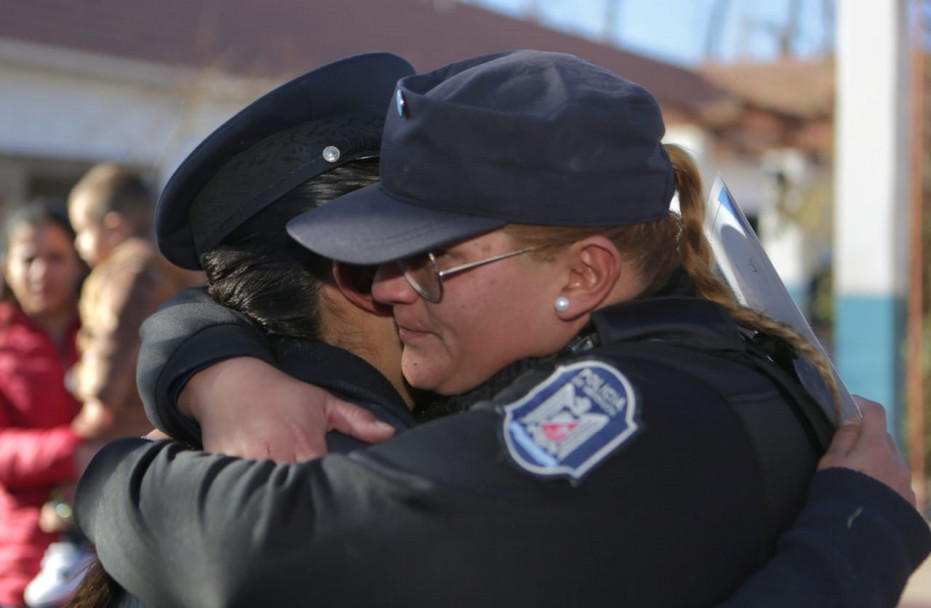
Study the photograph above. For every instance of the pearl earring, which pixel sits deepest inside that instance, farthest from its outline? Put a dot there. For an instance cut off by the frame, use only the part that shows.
(562, 304)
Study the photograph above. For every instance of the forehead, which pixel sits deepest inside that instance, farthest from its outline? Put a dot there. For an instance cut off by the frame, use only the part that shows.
(82, 206)
(481, 242)
(47, 234)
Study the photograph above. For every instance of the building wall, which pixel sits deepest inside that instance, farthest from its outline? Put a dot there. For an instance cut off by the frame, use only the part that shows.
(62, 110)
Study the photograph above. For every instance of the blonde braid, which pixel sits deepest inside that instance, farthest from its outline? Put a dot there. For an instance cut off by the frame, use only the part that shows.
(658, 247)
(698, 261)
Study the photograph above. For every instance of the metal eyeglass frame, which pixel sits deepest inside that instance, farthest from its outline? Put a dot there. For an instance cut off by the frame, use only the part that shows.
(405, 268)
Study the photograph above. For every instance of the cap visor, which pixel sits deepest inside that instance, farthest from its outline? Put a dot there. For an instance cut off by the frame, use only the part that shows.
(368, 226)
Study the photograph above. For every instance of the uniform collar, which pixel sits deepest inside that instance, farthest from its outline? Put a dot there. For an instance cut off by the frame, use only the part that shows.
(670, 318)
(339, 371)
(673, 312)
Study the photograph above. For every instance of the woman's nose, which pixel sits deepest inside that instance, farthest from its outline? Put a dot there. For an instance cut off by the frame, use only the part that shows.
(38, 269)
(390, 286)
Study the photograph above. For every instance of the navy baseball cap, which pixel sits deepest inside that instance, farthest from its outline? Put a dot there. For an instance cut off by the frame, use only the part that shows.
(524, 137)
(310, 125)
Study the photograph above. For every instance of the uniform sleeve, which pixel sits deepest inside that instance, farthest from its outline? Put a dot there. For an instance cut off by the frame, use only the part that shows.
(188, 333)
(854, 544)
(109, 342)
(169, 523)
(185, 528)
(35, 457)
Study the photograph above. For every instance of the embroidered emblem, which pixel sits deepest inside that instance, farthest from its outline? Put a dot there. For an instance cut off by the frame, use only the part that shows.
(572, 421)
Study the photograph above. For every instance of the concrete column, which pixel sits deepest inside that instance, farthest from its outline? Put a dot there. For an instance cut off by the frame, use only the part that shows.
(871, 205)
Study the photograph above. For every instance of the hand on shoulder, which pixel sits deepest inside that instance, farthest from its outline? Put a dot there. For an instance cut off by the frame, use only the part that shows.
(864, 445)
(250, 409)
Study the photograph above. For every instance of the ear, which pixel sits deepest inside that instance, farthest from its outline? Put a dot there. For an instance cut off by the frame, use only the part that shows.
(116, 222)
(355, 283)
(593, 270)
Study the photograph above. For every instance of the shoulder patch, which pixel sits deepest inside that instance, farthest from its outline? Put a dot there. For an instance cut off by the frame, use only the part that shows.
(571, 421)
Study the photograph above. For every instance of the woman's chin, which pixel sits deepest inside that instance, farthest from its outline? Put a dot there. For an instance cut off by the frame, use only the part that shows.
(425, 372)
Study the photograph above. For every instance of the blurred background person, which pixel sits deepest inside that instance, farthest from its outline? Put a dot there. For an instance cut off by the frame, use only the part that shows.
(38, 327)
(112, 211)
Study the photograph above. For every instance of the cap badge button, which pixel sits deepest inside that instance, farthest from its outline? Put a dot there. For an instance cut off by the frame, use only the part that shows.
(399, 98)
(331, 154)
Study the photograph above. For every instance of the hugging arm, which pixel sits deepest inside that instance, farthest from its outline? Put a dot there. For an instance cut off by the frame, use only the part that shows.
(186, 528)
(854, 544)
(188, 333)
(858, 540)
(253, 409)
(178, 527)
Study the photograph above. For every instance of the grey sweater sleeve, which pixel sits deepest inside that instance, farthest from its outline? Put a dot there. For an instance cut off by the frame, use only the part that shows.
(177, 527)
(185, 528)
(188, 333)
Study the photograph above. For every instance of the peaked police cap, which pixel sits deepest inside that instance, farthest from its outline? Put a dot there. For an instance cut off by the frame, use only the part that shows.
(312, 124)
(524, 137)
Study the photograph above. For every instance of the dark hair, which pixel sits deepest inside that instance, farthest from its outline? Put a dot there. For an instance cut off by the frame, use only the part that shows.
(264, 274)
(96, 589)
(35, 214)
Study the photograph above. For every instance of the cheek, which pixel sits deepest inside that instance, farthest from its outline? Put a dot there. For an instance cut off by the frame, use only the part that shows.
(64, 278)
(515, 323)
(16, 280)
(438, 359)
(485, 322)
(86, 244)
(474, 341)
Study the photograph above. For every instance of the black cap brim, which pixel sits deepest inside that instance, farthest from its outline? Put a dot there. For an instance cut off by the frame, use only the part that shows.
(356, 88)
(369, 227)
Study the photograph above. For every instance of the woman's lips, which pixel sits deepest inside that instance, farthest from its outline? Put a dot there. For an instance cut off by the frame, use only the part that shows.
(407, 334)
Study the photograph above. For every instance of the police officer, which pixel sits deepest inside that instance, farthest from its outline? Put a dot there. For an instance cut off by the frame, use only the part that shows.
(631, 455)
(224, 210)
(291, 150)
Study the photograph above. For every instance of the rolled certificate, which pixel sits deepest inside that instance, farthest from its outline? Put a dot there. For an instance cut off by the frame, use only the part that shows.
(750, 274)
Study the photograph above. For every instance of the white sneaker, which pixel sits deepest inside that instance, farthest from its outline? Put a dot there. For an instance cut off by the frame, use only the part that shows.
(63, 567)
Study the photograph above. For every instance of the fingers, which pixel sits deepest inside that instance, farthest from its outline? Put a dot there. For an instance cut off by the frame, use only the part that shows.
(873, 431)
(865, 445)
(844, 441)
(357, 422)
(155, 435)
(857, 431)
(908, 493)
(862, 402)
(306, 443)
(874, 416)
(890, 443)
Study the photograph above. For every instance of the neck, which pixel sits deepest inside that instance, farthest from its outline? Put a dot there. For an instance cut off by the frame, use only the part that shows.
(55, 325)
(344, 325)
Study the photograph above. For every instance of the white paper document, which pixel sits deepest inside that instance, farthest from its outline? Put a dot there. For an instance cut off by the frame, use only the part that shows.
(750, 274)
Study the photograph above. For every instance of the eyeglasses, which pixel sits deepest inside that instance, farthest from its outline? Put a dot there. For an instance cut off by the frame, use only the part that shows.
(423, 274)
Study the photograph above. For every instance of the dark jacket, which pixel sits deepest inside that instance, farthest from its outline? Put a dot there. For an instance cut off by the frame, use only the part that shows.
(191, 331)
(661, 501)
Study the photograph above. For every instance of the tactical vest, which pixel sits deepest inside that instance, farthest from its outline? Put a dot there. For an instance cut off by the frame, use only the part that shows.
(693, 335)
